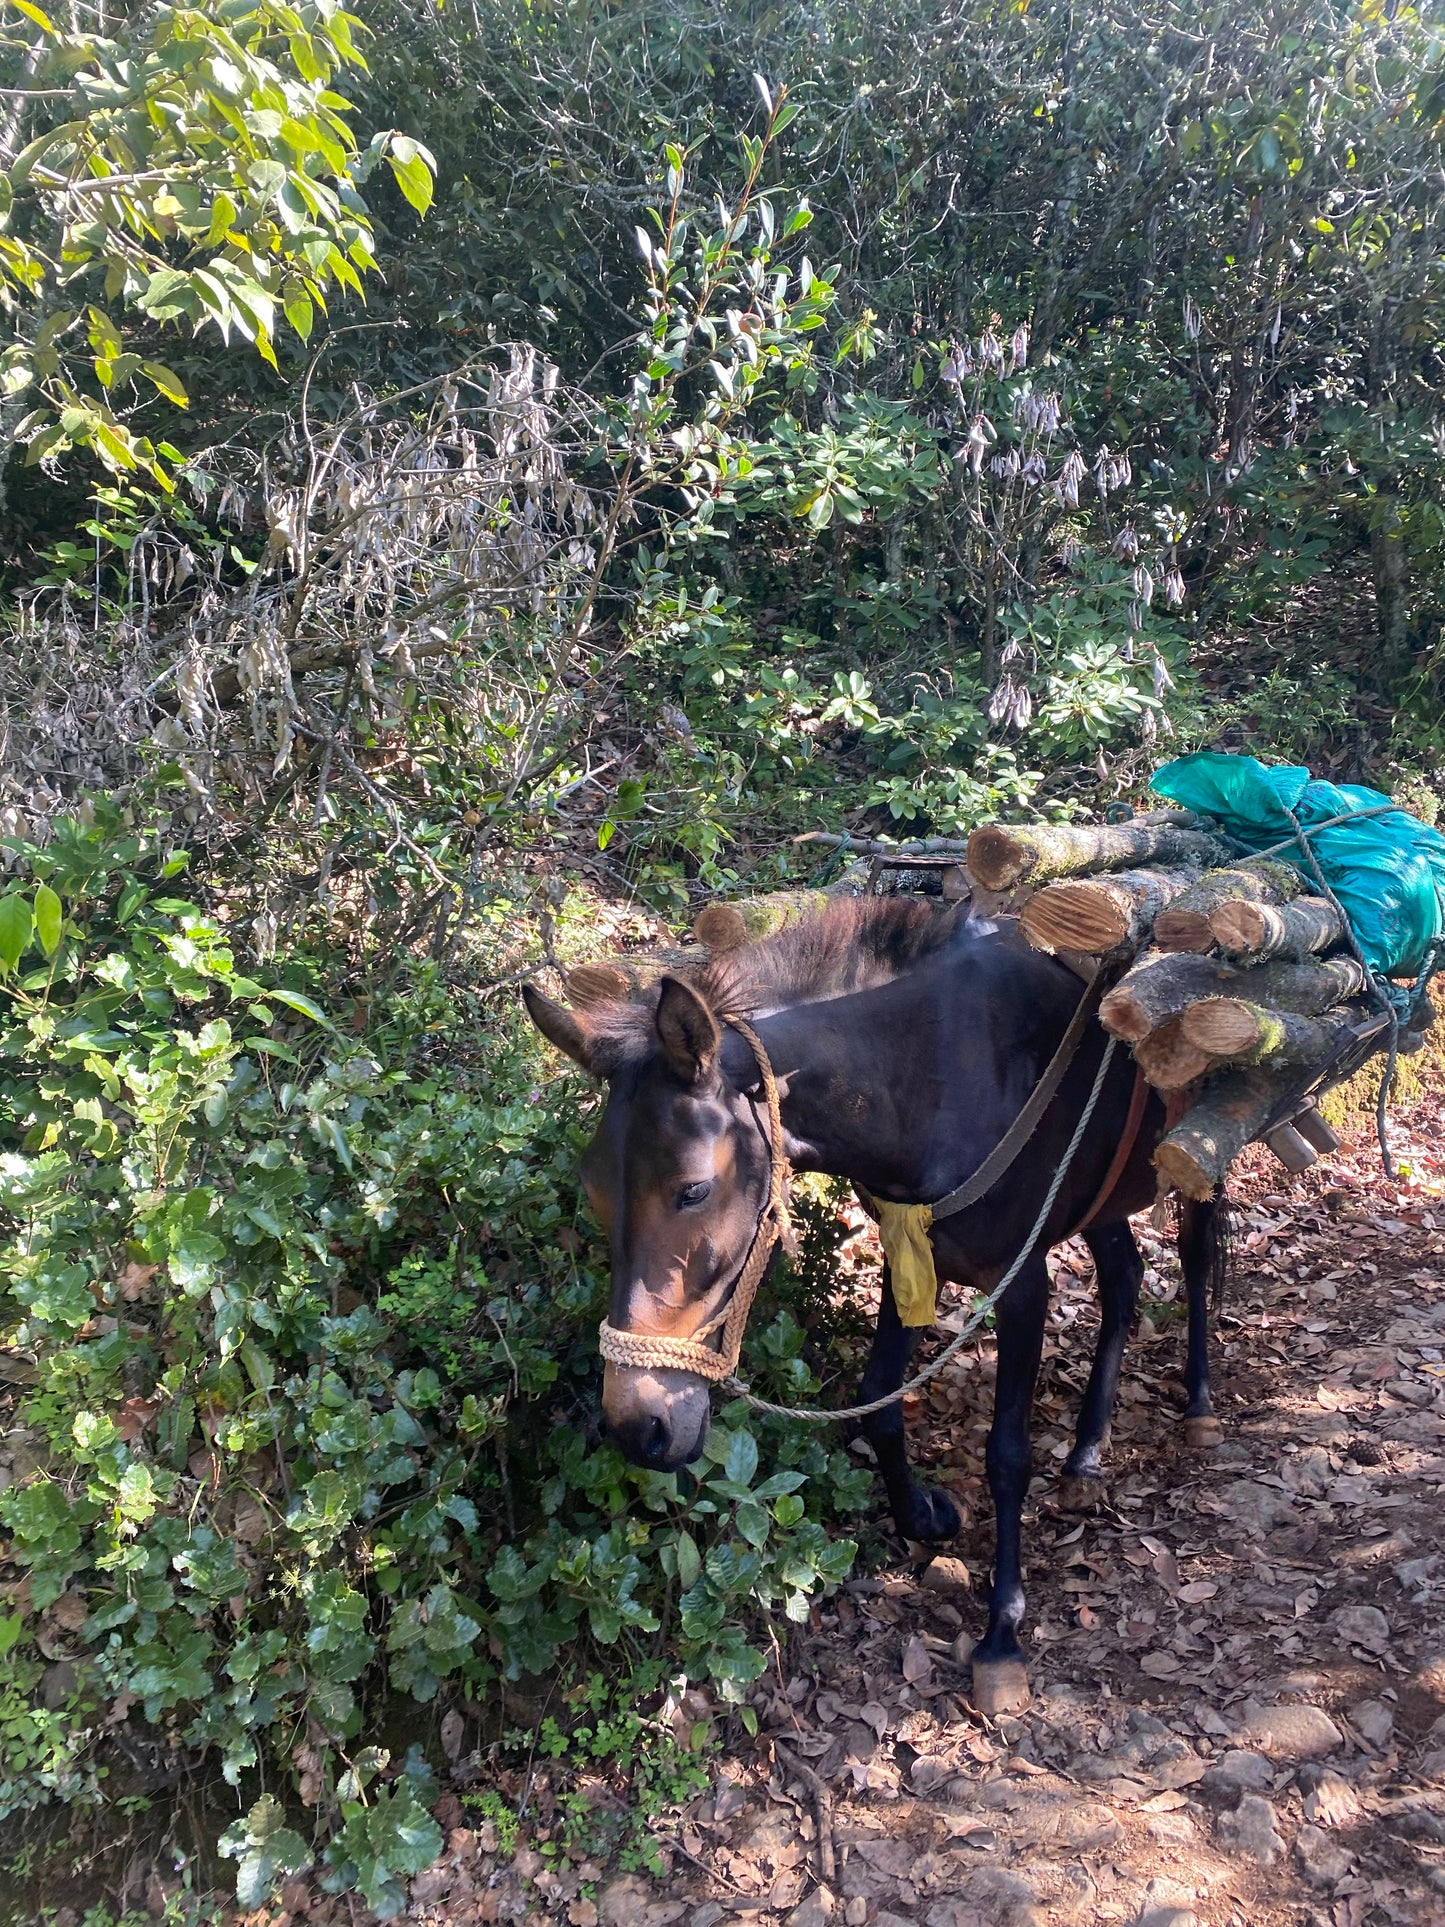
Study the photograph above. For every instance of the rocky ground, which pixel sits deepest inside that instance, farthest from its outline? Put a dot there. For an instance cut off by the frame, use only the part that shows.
(1239, 1664)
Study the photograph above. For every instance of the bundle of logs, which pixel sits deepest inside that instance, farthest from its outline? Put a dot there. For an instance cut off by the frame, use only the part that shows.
(1236, 981)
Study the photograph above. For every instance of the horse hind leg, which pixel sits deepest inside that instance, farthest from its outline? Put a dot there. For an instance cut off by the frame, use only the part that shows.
(919, 1511)
(1119, 1271)
(1204, 1256)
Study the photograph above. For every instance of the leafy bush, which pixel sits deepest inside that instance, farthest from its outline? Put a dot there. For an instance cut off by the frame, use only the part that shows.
(302, 1342)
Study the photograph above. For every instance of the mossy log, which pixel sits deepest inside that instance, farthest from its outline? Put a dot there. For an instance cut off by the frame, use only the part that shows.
(1233, 1028)
(1169, 1061)
(1157, 990)
(1185, 925)
(1261, 930)
(1232, 1111)
(728, 926)
(1100, 914)
(1161, 988)
(1001, 855)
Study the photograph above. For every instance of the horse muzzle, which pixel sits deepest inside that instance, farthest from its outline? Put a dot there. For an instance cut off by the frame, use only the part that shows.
(659, 1418)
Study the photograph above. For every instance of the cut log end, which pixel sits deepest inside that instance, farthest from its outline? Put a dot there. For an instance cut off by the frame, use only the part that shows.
(1169, 1061)
(997, 857)
(598, 983)
(1183, 930)
(1224, 1026)
(721, 926)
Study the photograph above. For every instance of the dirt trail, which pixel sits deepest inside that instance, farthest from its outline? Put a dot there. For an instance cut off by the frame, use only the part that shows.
(1239, 1663)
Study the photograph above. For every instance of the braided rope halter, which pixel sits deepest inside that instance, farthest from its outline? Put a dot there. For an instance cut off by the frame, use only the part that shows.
(651, 1351)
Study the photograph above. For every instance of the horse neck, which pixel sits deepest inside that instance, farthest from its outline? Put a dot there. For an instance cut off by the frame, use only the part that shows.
(853, 1104)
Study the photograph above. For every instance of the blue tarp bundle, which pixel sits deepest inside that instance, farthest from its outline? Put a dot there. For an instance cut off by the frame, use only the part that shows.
(1387, 871)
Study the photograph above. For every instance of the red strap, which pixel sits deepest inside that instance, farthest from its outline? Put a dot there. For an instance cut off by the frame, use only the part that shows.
(1121, 1157)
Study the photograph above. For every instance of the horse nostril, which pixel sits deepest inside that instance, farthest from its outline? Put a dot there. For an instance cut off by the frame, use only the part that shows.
(655, 1442)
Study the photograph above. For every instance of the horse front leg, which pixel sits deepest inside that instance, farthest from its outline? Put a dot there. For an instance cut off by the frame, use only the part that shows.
(1118, 1273)
(1000, 1677)
(1202, 1253)
(919, 1511)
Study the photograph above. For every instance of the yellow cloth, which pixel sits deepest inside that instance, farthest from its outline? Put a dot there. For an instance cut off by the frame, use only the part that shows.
(903, 1231)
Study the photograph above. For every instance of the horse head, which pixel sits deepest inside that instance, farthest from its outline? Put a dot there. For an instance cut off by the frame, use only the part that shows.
(679, 1174)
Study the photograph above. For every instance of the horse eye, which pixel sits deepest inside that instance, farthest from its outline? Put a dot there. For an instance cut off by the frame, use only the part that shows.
(692, 1194)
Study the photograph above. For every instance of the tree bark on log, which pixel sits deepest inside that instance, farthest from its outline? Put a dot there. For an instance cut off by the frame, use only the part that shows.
(1002, 855)
(728, 926)
(1261, 930)
(1231, 1027)
(1197, 1153)
(1169, 1061)
(1185, 924)
(1101, 914)
(1160, 988)
(1157, 990)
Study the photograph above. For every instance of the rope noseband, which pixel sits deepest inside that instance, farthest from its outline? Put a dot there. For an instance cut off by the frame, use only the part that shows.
(656, 1350)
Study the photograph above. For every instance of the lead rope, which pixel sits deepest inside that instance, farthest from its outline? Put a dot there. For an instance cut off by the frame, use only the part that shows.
(818, 1415)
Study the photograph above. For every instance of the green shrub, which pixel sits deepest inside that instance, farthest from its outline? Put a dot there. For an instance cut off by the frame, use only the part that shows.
(305, 1332)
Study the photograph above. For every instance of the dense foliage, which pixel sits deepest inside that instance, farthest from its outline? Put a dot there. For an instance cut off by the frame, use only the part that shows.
(690, 426)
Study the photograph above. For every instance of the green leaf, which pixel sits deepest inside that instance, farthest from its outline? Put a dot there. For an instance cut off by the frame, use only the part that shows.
(170, 385)
(15, 927)
(294, 1000)
(49, 919)
(742, 1458)
(414, 167)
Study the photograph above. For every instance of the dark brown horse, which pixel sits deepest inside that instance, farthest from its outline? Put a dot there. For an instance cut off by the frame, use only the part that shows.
(904, 1043)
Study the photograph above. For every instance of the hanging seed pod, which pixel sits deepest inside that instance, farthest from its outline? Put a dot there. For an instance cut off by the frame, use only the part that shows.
(1173, 587)
(1126, 543)
(1144, 584)
(1019, 346)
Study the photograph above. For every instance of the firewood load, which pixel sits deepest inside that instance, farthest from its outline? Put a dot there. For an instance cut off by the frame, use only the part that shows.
(1237, 984)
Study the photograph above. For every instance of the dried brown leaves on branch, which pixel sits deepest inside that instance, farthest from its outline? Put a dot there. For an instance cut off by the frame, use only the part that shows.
(441, 541)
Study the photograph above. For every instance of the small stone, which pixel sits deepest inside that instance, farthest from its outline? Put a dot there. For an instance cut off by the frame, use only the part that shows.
(1322, 1861)
(1330, 1801)
(947, 1575)
(855, 1914)
(1239, 1771)
(1260, 1507)
(1292, 1732)
(987, 1897)
(1415, 1574)
(1374, 1720)
(816, 1911)
(624, 1901)
(707, 1915)
(1251, 1830)
(1169, 1917)
(1363, 1626)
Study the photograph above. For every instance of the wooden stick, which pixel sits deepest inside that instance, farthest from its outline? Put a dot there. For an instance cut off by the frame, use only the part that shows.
(1001, 855)
(1197, 1153)
(1185, 924)
(1231, 1027)
(1160, 988)
(1102, 914)
(1169, 1060)
(1260, 930)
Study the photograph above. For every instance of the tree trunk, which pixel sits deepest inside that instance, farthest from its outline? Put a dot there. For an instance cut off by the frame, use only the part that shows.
(1161, 988)
(1197, 1153)
(1229, 1027)
(1185, 924)
(1001, 855)
(1262, 930)
(1102, 915)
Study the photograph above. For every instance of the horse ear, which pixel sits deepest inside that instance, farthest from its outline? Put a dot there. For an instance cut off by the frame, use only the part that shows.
(688, 1030)
(559, 1026)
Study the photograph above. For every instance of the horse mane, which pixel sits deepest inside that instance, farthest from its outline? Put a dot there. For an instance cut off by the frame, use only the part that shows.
(856, 943)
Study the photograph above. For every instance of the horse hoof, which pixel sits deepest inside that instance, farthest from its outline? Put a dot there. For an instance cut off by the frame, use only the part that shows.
(1203, 1434)
(1000, 1686)
(1080, 1492)
(936, 1516)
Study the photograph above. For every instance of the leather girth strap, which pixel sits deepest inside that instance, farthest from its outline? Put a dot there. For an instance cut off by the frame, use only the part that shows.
(1128, 1139)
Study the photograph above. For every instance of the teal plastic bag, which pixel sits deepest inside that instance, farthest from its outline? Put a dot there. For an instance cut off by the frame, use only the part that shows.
(1387, 871)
